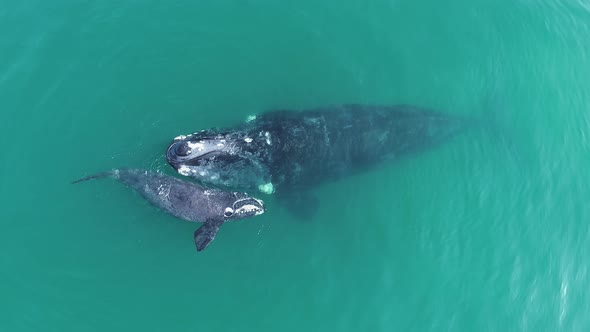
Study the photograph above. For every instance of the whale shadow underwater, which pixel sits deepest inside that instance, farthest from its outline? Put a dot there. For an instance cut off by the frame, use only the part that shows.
(288, 152)
(187, 200)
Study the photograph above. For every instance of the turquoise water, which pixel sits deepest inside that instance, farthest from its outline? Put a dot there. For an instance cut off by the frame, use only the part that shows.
(478, 235)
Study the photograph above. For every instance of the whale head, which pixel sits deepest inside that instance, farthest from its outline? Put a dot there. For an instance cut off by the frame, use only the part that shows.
(243, 206)
(220, 159)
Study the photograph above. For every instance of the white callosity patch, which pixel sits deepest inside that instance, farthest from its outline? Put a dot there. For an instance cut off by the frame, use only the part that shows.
(187, 170)
(198, 145)
(250, 208)
(267, 188)
(184, 170)
(251, 118)
(248, 140)
(179, 138)
(267, 135)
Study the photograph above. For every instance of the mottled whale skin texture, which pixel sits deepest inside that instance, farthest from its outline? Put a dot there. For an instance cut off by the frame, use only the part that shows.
(188, 201)
(288, 151)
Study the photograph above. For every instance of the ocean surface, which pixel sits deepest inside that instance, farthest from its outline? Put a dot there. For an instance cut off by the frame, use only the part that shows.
(489, 232)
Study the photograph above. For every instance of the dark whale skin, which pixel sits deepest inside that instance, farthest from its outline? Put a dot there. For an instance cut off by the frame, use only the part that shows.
(295, 150)
(187, 200)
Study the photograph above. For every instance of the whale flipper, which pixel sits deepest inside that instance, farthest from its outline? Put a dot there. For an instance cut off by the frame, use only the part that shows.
(206, 233)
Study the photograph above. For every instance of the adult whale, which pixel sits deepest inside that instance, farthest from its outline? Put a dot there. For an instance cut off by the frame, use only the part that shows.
(290, 151)
(188, 201)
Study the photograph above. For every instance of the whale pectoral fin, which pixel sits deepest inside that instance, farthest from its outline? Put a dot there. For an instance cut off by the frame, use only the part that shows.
(302, 206)
(206, 233)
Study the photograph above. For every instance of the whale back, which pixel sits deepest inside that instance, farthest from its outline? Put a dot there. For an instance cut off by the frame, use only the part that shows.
(288, 150)
(318, 145)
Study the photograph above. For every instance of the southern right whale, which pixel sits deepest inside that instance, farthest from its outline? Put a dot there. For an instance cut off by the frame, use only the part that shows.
(188, 201)
(290, 151)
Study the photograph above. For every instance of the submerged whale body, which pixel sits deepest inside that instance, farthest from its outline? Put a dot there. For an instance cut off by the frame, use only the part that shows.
(287, 151)
(188, 201)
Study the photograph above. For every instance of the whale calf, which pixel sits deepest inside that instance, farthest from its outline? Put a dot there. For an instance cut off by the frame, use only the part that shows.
(188, 201)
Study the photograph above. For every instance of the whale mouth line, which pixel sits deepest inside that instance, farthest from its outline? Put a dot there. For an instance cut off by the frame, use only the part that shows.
(190, 153)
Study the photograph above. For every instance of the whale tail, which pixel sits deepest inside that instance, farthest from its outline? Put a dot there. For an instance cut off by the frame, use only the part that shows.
(95, 176)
